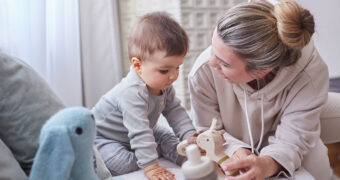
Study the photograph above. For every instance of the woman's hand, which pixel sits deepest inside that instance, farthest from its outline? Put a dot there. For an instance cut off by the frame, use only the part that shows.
(258, 167)
(241, 153)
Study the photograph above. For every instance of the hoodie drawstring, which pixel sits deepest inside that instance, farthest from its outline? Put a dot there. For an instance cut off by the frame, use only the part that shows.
(248, 123)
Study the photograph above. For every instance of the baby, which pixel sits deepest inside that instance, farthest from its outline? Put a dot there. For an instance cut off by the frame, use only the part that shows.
(128, 136)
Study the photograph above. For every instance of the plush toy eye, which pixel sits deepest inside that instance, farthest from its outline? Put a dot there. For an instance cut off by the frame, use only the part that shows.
(79, 130)
(207, 139)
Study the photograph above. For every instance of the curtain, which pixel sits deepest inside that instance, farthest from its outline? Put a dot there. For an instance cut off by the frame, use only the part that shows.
(101, 51)
(45, 34)
(68, 50)
(22, 25)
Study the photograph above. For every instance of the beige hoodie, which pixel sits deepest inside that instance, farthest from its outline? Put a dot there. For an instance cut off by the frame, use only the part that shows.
(291, 107)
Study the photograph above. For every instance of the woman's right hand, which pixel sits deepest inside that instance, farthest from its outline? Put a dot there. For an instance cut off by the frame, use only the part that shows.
(241, 153)
(258, 167)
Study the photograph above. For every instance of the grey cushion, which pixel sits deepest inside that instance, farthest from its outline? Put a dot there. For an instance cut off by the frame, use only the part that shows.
(26, 102)
(9, 167)
(330, 119)
(334, 85)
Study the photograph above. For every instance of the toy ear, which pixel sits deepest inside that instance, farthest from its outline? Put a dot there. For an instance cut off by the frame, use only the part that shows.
(55, 156)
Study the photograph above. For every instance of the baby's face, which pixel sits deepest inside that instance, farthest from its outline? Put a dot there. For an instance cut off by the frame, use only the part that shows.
(159, 72)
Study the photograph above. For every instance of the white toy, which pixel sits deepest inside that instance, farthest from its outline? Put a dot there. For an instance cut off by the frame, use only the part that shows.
(212, 142)
(197, 167)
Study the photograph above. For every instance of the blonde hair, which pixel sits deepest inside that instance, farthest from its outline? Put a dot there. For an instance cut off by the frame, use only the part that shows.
(157, 31)
(295, 24)
(267, 36)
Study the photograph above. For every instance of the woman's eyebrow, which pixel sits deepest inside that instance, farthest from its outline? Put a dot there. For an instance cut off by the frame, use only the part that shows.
(222, 61)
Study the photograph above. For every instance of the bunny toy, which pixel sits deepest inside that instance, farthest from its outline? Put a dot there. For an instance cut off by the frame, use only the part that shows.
(65, 150)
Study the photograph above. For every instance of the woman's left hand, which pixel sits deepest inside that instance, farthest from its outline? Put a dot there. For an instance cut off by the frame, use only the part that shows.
(258, 167)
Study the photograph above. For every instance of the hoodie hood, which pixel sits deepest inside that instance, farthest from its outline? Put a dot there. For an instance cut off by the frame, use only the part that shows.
(282, 79)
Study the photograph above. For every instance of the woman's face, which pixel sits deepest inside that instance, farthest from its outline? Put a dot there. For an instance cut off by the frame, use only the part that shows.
(227, 63)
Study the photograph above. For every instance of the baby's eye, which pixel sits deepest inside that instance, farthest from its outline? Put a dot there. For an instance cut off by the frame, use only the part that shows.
(163, 71)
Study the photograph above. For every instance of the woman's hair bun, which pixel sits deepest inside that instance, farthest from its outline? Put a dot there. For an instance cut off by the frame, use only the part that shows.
(295, 24)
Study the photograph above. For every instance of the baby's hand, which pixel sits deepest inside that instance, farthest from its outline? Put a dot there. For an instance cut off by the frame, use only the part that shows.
(157, 172)
(192, 140)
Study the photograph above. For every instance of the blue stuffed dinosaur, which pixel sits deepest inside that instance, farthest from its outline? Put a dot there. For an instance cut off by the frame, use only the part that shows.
(65, 151)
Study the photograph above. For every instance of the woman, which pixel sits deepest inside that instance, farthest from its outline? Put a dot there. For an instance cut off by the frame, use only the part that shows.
(265, 82)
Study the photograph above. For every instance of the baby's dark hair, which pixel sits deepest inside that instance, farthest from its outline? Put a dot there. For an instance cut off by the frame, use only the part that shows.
(157, 31)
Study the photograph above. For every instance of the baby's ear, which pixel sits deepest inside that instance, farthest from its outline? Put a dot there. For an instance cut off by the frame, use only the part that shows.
(136, 65)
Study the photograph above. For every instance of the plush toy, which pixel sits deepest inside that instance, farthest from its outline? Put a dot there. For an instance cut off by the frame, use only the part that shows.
(65, 150)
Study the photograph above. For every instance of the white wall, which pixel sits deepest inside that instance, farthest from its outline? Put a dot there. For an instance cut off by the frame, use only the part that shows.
(327, 35)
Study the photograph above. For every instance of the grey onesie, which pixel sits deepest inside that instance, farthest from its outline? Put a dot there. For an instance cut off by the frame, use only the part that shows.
(127, 130)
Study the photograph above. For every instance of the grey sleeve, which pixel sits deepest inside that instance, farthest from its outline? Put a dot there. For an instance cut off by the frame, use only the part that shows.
(134, 110)
(177, 116)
